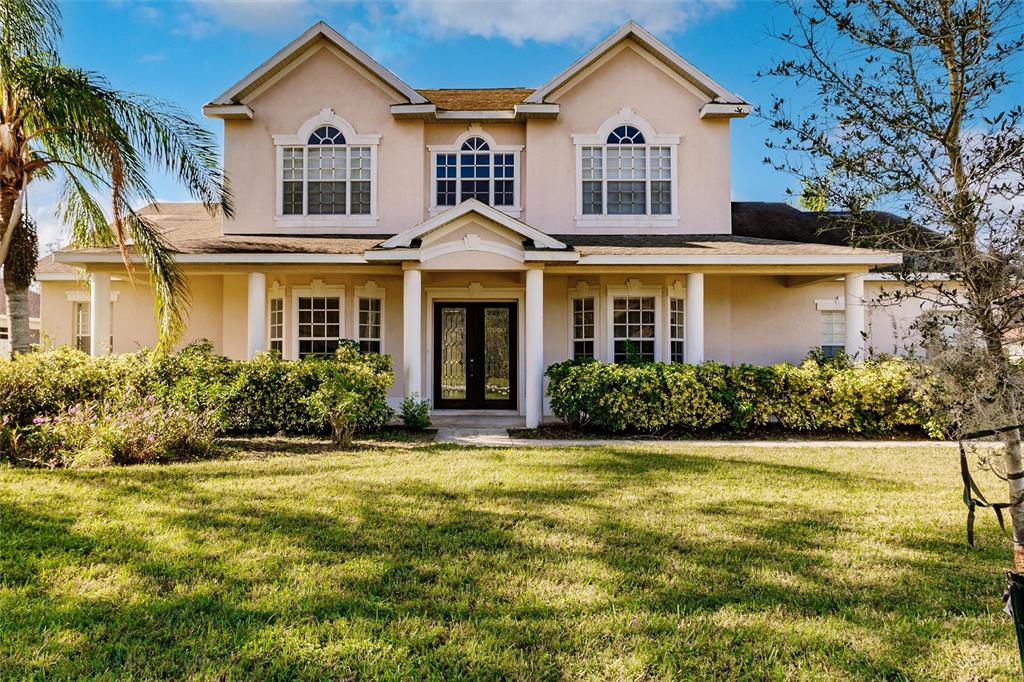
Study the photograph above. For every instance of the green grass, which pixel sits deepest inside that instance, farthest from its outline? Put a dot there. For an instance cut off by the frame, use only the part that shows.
(429, 562)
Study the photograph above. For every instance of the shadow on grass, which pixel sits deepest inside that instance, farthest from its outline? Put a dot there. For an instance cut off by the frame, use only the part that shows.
(590, 562)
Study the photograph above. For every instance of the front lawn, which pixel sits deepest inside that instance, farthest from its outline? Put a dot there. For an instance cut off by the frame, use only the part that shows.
(430, 562)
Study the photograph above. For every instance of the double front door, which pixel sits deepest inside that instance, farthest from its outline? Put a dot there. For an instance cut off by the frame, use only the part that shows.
(475, 355)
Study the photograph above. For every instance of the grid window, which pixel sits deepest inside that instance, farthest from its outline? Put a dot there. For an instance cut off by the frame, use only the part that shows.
(4, 334)
(370, 321)
(319, 325)
(677, 329)
(833, 332)
(626, 176)
(277, 325)
(633, 328)
(582, 328)
(83, 327)
(327, 176)
(475, 172)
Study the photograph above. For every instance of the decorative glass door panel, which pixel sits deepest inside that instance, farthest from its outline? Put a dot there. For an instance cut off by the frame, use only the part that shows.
(475, 355)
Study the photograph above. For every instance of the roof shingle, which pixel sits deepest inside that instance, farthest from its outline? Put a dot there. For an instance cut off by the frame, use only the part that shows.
(476, 99)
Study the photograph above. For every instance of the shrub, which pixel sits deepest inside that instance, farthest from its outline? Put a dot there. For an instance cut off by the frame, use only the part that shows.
(95, 434)
(415, 413)
(873, 398)
(344, 399)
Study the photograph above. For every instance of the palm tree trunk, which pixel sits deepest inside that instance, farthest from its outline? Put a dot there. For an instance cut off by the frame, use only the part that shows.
(17, 315)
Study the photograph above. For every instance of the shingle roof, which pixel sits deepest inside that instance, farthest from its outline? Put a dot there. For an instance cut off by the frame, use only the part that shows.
(476, 99)
(48, 265)
(33, 302)
(703, 244)
(758, 229)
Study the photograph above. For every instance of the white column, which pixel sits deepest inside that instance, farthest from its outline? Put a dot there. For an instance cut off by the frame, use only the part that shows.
(256, 335)
(534, 347)
(853, 291)
(412, 331)
(99, 314)
(694, 318)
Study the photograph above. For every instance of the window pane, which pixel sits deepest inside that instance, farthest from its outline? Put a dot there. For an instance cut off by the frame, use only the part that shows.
(359, 163)
(627, 163)
(292, 199)
(445, 193)
(592, 197)
(319, 325)
(633, 331)
(627, 198)
(661, 163)
(661, 197)
(476, 189)
(592, 163)
(504, 193)
(326, 163)
(291, 164)
(327, 198)
(583, 327)
(360, 198)
(677, 329)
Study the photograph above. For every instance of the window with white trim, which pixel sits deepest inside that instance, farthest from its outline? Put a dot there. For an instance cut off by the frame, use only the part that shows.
(677, 329)
(319, 325)
(633, 328)
(833, 332)
(326, 176)
(370, 324)
(277, 325)
(83, 326)
(626, 175)
(583, 325)
(476, 169)
(4, 335)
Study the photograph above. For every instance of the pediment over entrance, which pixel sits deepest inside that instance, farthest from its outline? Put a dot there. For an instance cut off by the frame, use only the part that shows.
(472, 236)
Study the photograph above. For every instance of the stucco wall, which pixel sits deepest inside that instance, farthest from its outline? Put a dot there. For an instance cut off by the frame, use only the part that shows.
(547, 172)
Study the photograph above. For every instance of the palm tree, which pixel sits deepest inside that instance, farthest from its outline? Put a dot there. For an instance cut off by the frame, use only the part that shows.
(71, 127)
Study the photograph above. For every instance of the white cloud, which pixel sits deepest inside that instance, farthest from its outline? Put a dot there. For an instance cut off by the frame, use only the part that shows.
(153, 58)
(552, 22)
(518, 21)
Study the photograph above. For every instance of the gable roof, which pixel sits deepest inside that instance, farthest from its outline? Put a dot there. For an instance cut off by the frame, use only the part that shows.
(716, 94)
(540, 239)
(232, 98)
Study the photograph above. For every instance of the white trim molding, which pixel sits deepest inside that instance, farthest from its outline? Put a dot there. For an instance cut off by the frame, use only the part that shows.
(353, 138)
(599, 139)
(474, 130)
(405, 239)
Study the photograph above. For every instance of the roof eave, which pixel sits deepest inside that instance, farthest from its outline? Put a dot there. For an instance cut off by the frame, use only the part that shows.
(519, 112)
(228, 111)
(725, 110)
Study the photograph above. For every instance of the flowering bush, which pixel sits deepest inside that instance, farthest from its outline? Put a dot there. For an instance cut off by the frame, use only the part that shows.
(100, 433)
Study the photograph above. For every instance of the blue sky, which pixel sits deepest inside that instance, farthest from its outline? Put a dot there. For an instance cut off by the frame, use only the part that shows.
(189, 51)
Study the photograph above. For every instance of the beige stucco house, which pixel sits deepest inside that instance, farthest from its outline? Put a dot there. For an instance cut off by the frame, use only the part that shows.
(478, 236)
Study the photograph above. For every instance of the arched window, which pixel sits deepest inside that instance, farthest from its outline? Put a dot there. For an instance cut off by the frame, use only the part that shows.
(326, 176)
(326, 135)
(474, 170)
(625, 135)
(625, 175)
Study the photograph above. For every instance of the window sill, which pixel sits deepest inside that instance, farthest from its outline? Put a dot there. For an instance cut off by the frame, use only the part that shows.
(627, 221)
(326, 221)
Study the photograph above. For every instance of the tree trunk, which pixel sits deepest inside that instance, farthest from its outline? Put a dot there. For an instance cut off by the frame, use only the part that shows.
(17, 315)
(1012, 460)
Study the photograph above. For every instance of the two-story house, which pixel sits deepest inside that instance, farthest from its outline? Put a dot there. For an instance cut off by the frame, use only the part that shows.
(478, 236)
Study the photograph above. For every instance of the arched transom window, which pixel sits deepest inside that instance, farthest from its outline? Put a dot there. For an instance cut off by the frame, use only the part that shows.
(475, 169)
(626, 175)
(326, 176)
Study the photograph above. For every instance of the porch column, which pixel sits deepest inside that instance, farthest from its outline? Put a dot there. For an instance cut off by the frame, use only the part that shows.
(99, 313)
(534, 347)
(257, 326)
(412, 331)
(693, 321)
(853, 290)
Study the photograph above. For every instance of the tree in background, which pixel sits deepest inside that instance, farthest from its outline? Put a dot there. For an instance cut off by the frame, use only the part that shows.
(71, 127)
(915, 112)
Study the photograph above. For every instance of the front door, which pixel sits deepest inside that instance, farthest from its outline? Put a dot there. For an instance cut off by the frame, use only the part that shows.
(475, 355)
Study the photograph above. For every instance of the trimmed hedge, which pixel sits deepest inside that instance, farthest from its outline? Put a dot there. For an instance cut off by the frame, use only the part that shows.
(874, 398)
(261, 396)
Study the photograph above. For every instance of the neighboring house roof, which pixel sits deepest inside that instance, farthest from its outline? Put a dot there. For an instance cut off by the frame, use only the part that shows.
(232, 102)
(33, 302)
(776, 220)
(731, 103)
(476, 99)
